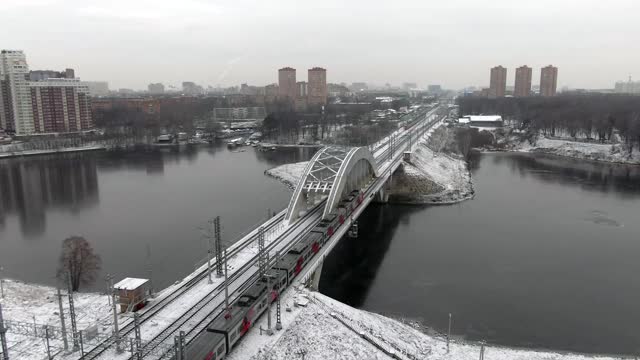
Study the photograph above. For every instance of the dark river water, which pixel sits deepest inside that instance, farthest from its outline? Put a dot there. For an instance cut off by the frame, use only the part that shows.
(133, 204)
(546, 255)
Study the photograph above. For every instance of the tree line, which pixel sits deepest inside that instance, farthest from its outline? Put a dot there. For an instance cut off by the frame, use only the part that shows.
(591, 117)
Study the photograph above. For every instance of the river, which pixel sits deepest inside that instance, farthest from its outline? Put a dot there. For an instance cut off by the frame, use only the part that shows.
(546, 255)
(135, 208)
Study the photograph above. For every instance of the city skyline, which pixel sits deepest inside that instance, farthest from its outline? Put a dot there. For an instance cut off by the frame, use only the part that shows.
(177, 46)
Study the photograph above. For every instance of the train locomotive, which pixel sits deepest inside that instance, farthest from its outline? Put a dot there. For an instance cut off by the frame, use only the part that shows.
(233, 323)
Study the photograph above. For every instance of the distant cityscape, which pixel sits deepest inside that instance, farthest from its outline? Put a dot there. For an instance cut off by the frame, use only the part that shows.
(40, 102)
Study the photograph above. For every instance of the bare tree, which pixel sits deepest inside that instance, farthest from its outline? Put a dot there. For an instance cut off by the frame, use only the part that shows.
(78, 260)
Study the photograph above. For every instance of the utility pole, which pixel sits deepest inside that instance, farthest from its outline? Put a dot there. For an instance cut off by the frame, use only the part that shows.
(278, 315)
(218, 236)
(62, 324)
(46, 335)
(261, 264)
(208, 237)
(482, 350)
(136, 322)
(116, 331)
(269, 291)
(449, 332)
(107, 279)
(150, 269)
(72, 314)
(3, 337)
(226, 284)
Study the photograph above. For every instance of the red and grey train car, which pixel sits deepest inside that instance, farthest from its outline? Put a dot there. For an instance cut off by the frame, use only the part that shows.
(230, 326)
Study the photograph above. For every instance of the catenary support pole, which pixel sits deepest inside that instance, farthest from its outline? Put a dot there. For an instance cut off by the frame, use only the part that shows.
(63, 326)
(3, 337)
(72, 315)
(218, 235)
(116, 330)
(226, 283)
(46, 335)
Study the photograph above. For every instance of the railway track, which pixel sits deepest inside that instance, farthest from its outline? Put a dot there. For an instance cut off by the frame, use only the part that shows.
(156, 307)
(209, 306)
(204, 306)
(202, 324)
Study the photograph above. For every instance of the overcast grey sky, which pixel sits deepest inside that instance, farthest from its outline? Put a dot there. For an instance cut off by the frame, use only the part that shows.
(131, 43)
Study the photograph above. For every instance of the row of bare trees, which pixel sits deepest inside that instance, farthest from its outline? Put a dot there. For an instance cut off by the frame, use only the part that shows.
(590, 117)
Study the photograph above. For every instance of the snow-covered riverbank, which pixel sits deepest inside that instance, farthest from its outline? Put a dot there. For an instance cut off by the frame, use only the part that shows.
(324, 328)
(613, 153)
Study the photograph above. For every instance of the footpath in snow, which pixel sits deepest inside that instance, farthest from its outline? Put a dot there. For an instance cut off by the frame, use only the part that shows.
(323, 328)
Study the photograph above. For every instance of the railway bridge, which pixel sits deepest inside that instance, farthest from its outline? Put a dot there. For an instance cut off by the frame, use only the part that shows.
(333, 173)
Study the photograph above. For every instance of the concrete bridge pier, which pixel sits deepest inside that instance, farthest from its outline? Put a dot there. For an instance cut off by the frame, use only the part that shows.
(314, 280)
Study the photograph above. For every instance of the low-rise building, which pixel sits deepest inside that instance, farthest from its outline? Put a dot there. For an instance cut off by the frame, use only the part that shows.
(482, 121)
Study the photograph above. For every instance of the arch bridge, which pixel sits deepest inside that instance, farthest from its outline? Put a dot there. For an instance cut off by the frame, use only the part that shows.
(332, 173)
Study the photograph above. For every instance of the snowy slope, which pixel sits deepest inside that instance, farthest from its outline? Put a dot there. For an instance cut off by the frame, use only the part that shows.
(328, 329)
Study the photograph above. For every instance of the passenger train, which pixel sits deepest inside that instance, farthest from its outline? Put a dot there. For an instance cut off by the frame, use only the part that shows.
(233, 323)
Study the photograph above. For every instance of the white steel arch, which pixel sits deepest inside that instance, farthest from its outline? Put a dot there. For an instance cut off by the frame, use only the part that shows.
(328, 173)
(357, 170)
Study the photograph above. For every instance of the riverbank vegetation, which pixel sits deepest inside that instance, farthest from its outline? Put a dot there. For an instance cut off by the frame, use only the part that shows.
(593, 117)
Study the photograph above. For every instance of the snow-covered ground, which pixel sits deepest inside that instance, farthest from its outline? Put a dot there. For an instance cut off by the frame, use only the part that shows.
(289, 174)
(328, 329)
(29, 304)
(451, 174)
(615, 153)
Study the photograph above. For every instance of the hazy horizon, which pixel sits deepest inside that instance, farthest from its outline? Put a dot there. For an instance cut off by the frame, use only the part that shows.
(454, 43)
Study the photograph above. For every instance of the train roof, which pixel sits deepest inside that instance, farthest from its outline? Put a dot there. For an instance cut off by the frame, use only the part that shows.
(287, 262)
(223, 325)
(299, 247)
(315, 236)
(204, 345)
(254, 292)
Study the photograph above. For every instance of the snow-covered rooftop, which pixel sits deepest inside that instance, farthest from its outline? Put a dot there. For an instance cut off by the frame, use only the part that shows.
(474, 118)
(130, 283)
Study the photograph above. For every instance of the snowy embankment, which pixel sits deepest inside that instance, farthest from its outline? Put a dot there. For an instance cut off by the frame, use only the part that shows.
(433, 177)
(324, 328)
(289, 174)
(614, 153)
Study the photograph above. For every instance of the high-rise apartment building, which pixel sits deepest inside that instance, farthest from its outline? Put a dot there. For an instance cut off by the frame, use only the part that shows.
(46, 106)
(522, 86)
(287, 83)
(548, 80)
(60, 105)
(15, 73)
(498, 82)
(317, 86)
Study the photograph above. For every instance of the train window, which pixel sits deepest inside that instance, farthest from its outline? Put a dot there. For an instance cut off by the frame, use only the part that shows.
(233, 336)
(221, 349)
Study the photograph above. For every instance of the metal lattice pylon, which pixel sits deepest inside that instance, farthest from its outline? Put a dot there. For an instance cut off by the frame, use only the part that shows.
(217, 231)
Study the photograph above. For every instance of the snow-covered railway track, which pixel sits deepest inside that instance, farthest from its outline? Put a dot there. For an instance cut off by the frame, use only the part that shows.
(162, 303)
